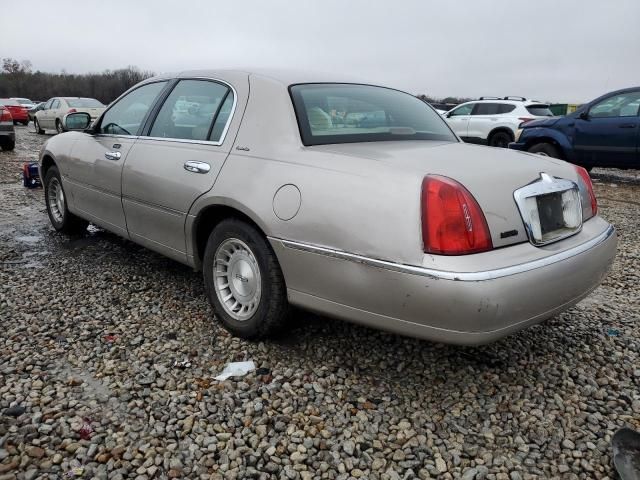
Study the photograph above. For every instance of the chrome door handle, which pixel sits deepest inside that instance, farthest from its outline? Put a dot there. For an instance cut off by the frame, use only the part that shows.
(112, 155)
(197, 167)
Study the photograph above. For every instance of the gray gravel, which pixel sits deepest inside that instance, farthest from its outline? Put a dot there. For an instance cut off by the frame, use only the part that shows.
(92, 327)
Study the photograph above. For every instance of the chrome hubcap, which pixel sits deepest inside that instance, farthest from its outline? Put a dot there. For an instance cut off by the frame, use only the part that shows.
(237, 279)
(55, 198)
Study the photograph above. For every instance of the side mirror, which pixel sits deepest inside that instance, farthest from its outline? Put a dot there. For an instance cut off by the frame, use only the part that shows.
(584, 115)
(77, 121)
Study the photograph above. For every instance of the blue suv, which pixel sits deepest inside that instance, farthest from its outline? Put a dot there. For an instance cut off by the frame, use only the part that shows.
(604, 133)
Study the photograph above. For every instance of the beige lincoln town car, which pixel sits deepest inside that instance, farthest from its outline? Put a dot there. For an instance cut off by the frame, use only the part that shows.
(352, 200)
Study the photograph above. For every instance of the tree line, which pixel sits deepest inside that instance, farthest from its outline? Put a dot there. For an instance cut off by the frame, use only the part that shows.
(17, 79)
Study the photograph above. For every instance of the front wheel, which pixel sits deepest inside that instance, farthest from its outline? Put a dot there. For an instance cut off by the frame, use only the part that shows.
(36, 125)
(545, 149)
(61, 218)
(243, 280)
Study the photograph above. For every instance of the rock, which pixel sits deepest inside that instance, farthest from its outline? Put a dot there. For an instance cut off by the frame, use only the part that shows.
(35, 452)
(14, 411)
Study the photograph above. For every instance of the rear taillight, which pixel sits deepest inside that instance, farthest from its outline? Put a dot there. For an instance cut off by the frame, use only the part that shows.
(587, 195)
(452, 221)
(72, 110)
(5, 115)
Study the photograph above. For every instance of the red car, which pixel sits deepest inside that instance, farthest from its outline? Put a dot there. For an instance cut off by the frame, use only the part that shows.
(19, 113)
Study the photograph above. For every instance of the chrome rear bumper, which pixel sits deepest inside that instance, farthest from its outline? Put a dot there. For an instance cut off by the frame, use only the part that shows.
(448, 306)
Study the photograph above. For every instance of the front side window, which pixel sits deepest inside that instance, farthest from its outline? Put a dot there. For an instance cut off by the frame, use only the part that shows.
(126, 115)
(189, 111)
(623, 105)
(463, 110)
(348, 113)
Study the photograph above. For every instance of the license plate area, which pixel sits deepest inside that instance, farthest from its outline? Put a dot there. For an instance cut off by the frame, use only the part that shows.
(551, 209)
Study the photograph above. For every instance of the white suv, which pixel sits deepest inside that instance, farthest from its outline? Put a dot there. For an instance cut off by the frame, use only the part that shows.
(492, 120)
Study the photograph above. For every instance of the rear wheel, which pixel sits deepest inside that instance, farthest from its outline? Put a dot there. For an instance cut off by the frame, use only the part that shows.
(499, 139)
(61, 218)
(545, 149)
(243, 280)
(25, 122)
(8, 144)
(36, 125)
(59, 127)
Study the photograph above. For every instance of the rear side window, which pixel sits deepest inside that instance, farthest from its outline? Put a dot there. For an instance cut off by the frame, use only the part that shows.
(189, 111)
(348, 113)
(55, 105)
(84, 103)
(487, 109)
(126, 115)
(540, 110)
(506, 108)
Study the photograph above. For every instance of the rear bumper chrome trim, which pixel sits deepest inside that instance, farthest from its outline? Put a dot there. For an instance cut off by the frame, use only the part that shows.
(456, 276)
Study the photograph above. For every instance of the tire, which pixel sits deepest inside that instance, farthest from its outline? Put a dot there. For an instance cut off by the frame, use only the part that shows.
(36, 125)
(9, 145)
(500, 139)
(25, 122)
(59, 126)
(246, 264)
(56, 201)
(545, 149)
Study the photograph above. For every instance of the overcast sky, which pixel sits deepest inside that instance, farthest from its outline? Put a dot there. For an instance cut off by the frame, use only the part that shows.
(557, 50)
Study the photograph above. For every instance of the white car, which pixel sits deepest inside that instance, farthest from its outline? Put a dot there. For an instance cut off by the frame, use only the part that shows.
(51, 116)
(494, 121)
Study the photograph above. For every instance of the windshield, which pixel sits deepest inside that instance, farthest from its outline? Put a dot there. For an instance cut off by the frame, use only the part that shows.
(540, 110)
(9, 102)
(347, 113)
(84, 103)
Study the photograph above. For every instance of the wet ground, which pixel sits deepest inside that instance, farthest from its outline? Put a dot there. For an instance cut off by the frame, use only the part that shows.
(92, 327)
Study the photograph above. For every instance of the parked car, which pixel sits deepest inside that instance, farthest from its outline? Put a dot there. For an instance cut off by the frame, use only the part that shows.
(494, 121)
(602, 133)
(36, 108)
(54, 110)
(25, 102)
(18, 112)
(7, 130)
(398, 226)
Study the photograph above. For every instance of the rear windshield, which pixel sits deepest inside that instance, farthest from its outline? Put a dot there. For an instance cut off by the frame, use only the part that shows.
(348, 113)
(8, 101)
(24, 101)
(84, 103)
(540, 110)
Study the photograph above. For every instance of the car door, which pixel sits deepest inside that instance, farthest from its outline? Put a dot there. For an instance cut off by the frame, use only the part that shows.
(458, 119)
(607, 133)
(482, 120)
(179, 159)
(96, 160)
(44, 119)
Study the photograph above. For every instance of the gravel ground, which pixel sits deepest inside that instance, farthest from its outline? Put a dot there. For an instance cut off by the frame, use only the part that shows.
(92, 327)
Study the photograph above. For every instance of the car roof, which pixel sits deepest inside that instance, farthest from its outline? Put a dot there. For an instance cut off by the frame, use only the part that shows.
(285, 76)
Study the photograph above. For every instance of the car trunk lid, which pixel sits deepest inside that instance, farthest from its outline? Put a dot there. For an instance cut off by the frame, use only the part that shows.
(492, 175)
